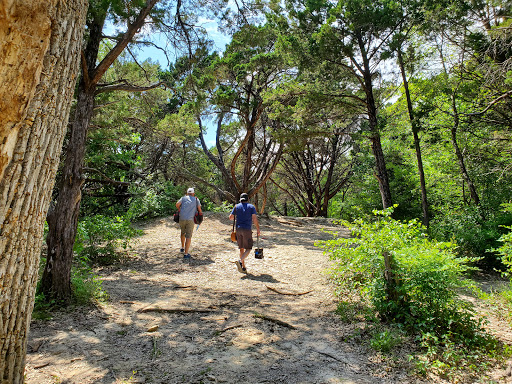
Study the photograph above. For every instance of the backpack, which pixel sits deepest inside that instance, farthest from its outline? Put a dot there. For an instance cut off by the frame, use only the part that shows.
(198, 218)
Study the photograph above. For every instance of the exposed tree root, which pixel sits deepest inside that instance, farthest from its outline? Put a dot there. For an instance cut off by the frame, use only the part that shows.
(274, 320)
(288, 293)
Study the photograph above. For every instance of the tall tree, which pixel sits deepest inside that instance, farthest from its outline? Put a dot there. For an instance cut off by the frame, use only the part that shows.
(350, 35)
(40, 45)
(63, 216)
(312, 175)
(246, 150)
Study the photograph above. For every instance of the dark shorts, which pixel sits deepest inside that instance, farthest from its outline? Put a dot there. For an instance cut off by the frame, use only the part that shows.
(244, 238)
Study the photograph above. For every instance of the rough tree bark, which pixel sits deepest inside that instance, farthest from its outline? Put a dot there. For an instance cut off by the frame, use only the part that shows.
(39, 45)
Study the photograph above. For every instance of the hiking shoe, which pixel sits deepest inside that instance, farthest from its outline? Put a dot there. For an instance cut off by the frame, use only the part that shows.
(244, 270)
(239, 267)
(186, 256)
(182, 250)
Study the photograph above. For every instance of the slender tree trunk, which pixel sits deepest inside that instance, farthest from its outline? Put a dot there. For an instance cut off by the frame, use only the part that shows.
(380, 162)
(381, 171)
(40, 43)
(460, 157)
(417, 147)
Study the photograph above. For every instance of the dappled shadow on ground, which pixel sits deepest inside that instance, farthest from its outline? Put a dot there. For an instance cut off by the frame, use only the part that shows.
(196, 335)
(263, 278)
(170, 321)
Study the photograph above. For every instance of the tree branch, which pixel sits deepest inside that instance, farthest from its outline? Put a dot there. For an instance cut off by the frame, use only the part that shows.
(114, 53)
(490, 104)
(126, 87)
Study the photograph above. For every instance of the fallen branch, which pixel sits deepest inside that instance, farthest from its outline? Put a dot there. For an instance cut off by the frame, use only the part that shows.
(290, 222)
(220, 331)
(288, 293)
(273, 320)
(184, 287)
(173, 310)
(329, 355)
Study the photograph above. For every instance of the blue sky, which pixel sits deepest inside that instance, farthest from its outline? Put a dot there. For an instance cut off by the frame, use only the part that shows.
(156, 55)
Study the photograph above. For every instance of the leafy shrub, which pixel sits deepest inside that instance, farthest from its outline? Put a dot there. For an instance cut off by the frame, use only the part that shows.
(473, 235)
(505, 250)
(421, 294)
(385, 341)
(158, 199)
(99, 237)
(87, 287)
(225, 207)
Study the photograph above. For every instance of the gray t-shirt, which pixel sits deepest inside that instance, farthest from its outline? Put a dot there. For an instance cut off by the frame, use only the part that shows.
(188, 207)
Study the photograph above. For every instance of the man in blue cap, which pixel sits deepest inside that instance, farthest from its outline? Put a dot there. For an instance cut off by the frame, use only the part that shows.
(245, 216)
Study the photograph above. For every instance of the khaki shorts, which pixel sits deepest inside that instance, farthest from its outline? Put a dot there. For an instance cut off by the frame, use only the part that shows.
(187, 227)
(244, 238)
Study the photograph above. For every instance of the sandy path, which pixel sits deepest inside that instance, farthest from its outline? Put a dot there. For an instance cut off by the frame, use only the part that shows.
(169, 321)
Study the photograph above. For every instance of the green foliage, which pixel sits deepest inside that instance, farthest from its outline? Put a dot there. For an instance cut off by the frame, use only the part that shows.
(385, 341)
(422, 296)
(99, 238)
(505, 250)
(347, 311)
(461, 360)
(224, 207)
(426, 273)
(87, 287)
(154, 200)
(474, 236)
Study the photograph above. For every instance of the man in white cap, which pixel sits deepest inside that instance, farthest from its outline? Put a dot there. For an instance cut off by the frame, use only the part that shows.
(188, 206)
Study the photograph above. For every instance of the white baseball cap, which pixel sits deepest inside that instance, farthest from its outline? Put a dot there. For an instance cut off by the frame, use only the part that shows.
(190, 190)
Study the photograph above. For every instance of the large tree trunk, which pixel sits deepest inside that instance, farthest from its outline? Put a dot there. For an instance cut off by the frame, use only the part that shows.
(40, 45)
(63, 217)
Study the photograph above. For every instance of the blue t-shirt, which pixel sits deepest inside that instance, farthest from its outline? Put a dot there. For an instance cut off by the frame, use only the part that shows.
(188, 207)
(243, 213)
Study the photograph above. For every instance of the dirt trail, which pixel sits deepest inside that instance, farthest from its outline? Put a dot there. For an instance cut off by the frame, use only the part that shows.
(170, 321)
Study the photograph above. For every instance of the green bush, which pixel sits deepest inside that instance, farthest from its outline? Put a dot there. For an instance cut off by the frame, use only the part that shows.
(419, 296)
(225, 207)
(474, 235)
(385, 341)
(87, 287)
(158, 199)
(99, 238)
(422, 291)
(505, 250)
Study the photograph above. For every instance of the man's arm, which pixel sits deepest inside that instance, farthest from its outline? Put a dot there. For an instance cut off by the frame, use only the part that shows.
(256, 223)
(178, 204)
